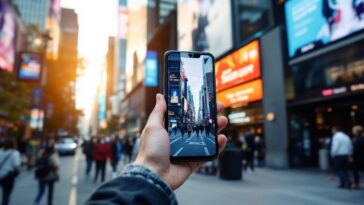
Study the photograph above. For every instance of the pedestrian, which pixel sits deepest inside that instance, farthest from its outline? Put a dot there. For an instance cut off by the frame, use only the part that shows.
(136, 147)
(87, 149)
(102, 153)
(250, 149)
(152, 178)
(9, 168)
(116, 154)
(358, 154)
(341, 151)
(46, 172)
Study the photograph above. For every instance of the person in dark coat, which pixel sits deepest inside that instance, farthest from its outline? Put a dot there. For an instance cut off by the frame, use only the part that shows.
(46, 173)
(116, 153)
(358, 154)
(250, 142)
(88, 149)
(151, 179)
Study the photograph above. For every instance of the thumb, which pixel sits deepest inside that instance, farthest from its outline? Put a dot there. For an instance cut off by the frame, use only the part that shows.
(157, 115)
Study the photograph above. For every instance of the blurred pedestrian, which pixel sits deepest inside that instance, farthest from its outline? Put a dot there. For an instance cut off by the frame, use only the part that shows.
(87, 149)
(250, 143)
(259, 150)
(46, 172)
(358, 154)
(127, 149)
(136, 147)
(116, 154)
(9, 168)
(341, 151)
(101, 153)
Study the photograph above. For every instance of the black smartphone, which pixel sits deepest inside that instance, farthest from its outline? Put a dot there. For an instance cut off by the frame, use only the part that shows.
(190, 93)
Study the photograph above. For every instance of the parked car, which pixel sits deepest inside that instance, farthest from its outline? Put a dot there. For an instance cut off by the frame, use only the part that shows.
(66, 146)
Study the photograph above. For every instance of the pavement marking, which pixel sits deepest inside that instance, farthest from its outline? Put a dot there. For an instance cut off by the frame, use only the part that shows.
(197, 143)
(73, 194)
(210, 140)
(175, 140)
(180, 150)
(206, 151)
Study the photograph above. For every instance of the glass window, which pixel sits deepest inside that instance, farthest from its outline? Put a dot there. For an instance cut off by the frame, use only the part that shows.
(253, 17)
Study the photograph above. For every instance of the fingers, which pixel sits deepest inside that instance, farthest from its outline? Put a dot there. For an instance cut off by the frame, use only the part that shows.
(221, 140)
(222, 122)
(219, 107)
(157, 115)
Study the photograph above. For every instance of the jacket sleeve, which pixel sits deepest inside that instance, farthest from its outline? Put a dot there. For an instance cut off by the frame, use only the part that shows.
(136, 186)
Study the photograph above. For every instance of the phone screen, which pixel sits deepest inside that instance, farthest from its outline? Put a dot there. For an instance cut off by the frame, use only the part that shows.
(191, 105)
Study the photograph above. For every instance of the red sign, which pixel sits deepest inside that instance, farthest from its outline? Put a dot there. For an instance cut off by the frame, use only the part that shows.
(239, 67)
(246, 93)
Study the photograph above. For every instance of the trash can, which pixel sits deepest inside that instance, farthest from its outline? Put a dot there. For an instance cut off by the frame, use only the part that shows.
(230, 164)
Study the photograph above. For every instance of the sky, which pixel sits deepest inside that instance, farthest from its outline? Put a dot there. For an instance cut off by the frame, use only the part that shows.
(193, 71)
(97, 21)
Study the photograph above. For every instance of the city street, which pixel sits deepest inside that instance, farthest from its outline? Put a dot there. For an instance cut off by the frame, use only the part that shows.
(192, 144)
(265, 186)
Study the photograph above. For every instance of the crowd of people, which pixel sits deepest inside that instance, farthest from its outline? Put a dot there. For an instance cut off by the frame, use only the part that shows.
(347, 154)
(98, 151)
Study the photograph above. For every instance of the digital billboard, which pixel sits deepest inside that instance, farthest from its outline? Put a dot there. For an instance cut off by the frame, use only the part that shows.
(7, 37)
(245, 93)
(151, 69)
(312, 24)
(238, 67)
(204, 26)
(29, 66)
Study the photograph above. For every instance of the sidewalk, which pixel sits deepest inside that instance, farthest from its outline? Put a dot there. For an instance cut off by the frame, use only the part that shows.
(268, 187)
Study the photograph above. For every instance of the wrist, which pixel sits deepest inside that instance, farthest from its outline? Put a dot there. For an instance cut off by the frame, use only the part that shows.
(143, 172)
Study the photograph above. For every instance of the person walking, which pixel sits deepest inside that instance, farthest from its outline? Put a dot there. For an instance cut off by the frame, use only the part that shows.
(101, 153)
(116, 154)
(87, 149)
(136, 147)
(358, 154)
(250, 142)
(46, 173)
(9, 168)
(341, 151)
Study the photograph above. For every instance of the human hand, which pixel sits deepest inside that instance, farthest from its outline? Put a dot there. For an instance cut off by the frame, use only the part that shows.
(155, 149)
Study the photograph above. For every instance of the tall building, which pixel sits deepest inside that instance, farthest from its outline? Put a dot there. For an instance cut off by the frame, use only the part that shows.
(34, 12)
(46, 16)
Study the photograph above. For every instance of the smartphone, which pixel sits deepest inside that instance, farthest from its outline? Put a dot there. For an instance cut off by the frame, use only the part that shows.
(190, 93)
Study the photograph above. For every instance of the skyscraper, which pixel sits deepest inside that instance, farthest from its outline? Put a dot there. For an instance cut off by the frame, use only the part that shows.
(34, 12)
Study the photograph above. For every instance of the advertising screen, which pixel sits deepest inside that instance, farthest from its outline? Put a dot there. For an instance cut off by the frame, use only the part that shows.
(7, 37)
(191, 105)
(29, 66)
(246, 93)
(151, 69)
(239, 67)
(204, 25)
(312, 24)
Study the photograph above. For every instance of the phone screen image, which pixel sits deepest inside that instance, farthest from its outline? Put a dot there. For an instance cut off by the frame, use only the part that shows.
(191, 105)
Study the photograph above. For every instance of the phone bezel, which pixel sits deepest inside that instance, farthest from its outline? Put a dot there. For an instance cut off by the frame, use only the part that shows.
(165, 92)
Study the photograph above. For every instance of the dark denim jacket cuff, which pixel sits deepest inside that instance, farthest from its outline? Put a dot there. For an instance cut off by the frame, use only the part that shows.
(134, 170)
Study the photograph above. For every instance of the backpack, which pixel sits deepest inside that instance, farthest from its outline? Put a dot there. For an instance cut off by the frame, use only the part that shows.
(42, 167)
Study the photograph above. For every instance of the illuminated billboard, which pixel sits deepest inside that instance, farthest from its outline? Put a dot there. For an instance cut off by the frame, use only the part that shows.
(312, 24)
(205, 26)
(238, 67)
(246, 93)
(151, 69)
(7, 37)
(29, 66)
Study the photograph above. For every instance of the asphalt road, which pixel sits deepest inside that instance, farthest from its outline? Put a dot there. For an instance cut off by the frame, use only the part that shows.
(264, 187)
(195, 143)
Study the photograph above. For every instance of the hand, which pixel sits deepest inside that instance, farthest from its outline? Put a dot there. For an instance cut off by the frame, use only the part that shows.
(155, 149)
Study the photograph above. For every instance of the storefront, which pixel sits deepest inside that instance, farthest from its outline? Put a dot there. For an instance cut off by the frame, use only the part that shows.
(240, 88)
(325, 75)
